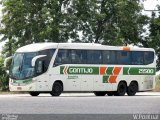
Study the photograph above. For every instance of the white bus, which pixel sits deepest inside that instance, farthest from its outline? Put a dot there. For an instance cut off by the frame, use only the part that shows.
(82, 67)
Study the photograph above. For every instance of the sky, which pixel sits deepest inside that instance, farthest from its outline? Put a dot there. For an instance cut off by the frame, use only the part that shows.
(148, 5)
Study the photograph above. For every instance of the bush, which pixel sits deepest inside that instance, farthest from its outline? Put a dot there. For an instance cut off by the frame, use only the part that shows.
(4, 78)
(157, 83)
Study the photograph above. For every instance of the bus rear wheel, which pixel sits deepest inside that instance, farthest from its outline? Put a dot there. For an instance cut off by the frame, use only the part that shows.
(100, 93)
(121, 90)
(34, 93)
(110, 93)
(57, 89)
(132, 89)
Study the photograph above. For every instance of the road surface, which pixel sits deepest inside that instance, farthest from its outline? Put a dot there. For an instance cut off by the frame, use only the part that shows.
(80, 103)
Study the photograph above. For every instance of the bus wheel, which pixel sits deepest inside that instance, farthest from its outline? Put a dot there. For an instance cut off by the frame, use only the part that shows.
(121, 90)
(132, 89)
(110, 93)
(100, 93)
(34, 93)
(57, 89)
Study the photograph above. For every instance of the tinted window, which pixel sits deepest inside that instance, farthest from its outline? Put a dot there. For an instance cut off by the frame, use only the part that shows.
(137, 58)
(77, 56)
(65, 56)
(94, 57)
(71, 56)
(123, 57)
(47, 59)
(62, 57)
(109, 57)
(148, 57)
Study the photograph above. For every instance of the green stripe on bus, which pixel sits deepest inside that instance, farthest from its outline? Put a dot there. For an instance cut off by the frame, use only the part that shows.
(95, 70)
(26, 81)
(139, 71)
(79, 70)
(109, 70)
(125, 70)
(105, 79)
(61, 69)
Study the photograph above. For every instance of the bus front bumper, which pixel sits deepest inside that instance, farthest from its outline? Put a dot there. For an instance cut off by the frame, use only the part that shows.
(15, 86)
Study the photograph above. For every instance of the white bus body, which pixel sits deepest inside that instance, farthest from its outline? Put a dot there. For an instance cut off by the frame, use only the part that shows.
(64, 67)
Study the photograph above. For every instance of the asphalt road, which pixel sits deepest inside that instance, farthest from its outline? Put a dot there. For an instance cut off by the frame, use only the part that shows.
(80, 103)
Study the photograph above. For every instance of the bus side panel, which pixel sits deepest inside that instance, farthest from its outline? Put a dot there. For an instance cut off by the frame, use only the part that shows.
(70, 82)
(87, 82)
(42, 82)
(100, 84)
(145, 82)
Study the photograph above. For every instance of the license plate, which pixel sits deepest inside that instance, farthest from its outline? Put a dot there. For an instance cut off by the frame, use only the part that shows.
(19, 88)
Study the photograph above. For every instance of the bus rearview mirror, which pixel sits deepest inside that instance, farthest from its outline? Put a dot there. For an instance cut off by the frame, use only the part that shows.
(35, 59)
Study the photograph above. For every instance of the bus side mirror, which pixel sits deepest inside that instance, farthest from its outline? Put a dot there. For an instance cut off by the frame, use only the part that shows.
(40, 66)
(36, 58)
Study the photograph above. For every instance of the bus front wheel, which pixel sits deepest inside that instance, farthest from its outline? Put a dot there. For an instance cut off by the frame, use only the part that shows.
(57, 89)
(121, 90)
(132, 89)
(34, 93)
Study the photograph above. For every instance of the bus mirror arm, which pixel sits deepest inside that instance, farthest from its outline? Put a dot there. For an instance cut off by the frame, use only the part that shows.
(35, 59)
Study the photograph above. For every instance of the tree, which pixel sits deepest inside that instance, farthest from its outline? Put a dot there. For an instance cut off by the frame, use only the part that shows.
(153, 40)
(111, 22)
(24, 22)
(4, 78)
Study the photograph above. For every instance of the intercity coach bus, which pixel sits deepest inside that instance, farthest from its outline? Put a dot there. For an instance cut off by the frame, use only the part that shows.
(82, 67)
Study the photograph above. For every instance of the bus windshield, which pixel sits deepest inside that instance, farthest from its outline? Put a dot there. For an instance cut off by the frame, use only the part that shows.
(21, 67)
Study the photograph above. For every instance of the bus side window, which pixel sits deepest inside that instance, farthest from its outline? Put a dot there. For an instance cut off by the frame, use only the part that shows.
(81, 56)
(148, 57)
(62, 57)
(109, 57)
(123, 57)
(94, 57)
(106, 57)
(49, 53)
(137, 58)
(75, 57)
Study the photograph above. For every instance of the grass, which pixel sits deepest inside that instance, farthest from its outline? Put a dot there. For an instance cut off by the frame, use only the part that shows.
(157, 88)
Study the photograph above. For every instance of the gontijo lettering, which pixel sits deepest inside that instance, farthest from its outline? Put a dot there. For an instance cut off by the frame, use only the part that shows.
(81, 70)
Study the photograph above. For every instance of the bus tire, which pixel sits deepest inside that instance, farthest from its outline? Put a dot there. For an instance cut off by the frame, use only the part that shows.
(110, 93)
(34, 93)
(121, 90)
(100, 93)
(132, 89)
(56, 89)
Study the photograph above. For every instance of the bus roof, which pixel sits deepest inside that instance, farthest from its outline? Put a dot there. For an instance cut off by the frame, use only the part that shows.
(43, 46)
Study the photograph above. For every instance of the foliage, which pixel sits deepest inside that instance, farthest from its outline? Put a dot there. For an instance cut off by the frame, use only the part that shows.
(157, 87)
(25, 22)
(153, 40)
(111, 22)
(3, 77)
